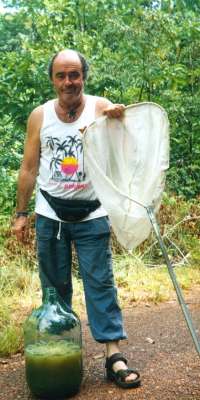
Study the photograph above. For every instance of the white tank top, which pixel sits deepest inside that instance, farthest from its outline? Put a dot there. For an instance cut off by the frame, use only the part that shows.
(62, 171)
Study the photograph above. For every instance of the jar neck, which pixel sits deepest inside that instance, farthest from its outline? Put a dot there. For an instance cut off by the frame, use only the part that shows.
(50, 295)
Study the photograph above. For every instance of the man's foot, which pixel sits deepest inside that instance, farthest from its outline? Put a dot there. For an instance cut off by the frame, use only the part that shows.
(117, 371)
(121, 365)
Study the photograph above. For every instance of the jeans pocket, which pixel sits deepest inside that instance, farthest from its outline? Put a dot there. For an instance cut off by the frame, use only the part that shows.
(101, 226)
(45, 227)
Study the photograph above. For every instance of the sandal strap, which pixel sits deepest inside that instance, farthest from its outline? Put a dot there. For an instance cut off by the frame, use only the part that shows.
(113, 359)
(123, 373)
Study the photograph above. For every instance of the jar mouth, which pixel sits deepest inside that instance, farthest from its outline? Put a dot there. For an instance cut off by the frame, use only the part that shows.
(52, 290)
(50, 294)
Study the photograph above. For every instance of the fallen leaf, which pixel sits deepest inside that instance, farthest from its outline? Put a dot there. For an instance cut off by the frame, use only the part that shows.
(98, 356)
(149, 340)
(3, 361)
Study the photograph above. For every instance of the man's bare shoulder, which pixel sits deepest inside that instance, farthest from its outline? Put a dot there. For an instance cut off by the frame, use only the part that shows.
(36, 113)
(101, 105)
(35, 118)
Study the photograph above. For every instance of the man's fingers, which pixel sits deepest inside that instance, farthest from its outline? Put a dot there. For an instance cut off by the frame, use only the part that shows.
(19, 233)
(20, 228)
(115, 111)
(20, 236)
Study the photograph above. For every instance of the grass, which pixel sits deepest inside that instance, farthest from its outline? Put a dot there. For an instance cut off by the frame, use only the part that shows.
(135, 278)
(19, 288)
(138, 283)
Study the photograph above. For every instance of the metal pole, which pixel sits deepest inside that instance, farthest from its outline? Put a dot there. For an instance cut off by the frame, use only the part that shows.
(177, 288)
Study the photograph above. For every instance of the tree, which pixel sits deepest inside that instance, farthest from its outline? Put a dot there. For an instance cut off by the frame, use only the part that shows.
(137, 50)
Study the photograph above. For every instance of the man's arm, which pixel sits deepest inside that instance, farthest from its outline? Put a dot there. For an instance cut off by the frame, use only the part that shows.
(28, 171)
(105, 107)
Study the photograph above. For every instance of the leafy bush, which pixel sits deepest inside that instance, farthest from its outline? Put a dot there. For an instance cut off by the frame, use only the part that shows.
(138, 51)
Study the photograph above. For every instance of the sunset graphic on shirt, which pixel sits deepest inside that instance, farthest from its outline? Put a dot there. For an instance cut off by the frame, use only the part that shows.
(69, 165)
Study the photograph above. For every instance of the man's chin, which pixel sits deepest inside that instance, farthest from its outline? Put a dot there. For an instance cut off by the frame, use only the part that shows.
(69, 96)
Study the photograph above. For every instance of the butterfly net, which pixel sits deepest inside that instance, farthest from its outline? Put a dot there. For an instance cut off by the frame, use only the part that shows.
(127, 161)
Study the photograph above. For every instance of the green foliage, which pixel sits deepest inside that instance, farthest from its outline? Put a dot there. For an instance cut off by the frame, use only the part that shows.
(138, 51)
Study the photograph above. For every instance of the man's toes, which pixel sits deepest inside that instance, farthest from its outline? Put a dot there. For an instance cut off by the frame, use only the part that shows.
(131, 377)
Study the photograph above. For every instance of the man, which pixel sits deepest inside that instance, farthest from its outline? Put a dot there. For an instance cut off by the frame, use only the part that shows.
(54, 155)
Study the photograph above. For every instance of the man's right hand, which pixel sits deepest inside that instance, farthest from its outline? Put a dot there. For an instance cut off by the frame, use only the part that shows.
(20, 228)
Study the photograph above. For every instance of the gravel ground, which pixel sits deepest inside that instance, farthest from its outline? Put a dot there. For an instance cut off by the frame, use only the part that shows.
(159, 346)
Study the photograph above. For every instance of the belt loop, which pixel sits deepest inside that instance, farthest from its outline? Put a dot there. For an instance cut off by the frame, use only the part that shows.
(59, 230)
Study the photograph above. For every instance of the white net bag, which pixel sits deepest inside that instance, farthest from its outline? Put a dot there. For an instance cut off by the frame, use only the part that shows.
(127, 159)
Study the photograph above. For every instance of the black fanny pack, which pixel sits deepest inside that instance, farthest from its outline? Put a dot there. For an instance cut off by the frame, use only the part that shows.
(71, 210)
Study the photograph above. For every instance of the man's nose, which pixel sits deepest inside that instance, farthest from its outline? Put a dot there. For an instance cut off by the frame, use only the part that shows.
(67, 81)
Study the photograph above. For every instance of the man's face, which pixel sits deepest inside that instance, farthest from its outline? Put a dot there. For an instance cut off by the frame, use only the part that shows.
(67, 78)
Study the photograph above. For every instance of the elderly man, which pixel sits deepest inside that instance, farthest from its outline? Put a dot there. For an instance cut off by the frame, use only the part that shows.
(66, 206)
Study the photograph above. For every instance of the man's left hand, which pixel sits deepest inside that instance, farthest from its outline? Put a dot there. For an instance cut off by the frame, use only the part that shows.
(114, 111)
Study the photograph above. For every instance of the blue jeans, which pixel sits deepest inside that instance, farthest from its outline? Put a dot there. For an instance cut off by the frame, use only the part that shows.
(92, 243)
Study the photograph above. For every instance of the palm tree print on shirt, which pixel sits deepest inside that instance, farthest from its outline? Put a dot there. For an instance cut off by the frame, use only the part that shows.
(67, 162)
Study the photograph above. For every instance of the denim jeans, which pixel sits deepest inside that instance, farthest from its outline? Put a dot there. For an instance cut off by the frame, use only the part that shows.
(92, 243)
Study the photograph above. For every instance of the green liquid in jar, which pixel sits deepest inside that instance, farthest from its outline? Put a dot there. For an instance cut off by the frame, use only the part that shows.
(53, 369)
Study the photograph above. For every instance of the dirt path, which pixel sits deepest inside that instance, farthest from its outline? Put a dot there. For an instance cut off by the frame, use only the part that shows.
(170, 366)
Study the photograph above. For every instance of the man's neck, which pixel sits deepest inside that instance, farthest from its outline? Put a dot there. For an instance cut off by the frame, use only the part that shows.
(71, 111)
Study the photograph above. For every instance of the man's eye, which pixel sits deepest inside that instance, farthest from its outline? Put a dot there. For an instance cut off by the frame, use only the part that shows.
(74, 75)
(60, 76)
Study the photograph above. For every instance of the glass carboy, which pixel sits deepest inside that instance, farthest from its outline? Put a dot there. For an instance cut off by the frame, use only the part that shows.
(53, 349)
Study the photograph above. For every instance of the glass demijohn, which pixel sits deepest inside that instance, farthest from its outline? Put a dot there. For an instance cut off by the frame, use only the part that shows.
(53, 349)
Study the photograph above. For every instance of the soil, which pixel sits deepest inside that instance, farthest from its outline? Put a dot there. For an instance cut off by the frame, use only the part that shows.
(159, 345)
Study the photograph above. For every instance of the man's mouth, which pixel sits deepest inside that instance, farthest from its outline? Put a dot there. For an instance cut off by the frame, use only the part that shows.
(68, 91)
